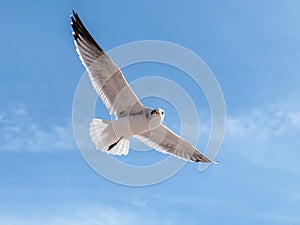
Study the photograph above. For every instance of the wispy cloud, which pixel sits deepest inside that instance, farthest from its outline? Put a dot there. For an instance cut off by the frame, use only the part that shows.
(21, 132)
(264, 123)
(267, 135)
(85, 214)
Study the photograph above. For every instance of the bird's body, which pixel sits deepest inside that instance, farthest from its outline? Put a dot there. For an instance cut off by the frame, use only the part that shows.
(137, 123)
(106, 134)
(132, 118)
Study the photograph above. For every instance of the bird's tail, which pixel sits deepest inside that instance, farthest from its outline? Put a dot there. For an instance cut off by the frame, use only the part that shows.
(105, 139)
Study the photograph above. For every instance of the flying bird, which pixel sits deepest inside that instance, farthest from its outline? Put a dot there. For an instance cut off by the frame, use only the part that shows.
(131, 117)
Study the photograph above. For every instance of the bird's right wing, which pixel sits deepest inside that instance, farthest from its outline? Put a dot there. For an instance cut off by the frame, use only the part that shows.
(107, 79)
(164, 140)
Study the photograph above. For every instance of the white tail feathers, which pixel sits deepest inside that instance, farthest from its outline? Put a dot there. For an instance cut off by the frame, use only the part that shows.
(105, 139)
(120, 147)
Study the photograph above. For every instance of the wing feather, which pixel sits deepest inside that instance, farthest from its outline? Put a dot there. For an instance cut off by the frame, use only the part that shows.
(106, 78)
(164, 140)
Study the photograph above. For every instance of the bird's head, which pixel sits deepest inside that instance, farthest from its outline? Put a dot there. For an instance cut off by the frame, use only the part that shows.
(157, 113)
(156, 117)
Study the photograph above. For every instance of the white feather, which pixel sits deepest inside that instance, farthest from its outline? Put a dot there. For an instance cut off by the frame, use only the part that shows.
(103, 136)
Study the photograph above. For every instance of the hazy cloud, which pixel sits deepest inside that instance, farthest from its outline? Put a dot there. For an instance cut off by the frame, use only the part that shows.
(21, 132)
(269, 122)
(86, 214)
(266, 136)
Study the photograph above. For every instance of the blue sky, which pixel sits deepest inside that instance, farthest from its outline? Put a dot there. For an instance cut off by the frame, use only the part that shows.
(251, 46)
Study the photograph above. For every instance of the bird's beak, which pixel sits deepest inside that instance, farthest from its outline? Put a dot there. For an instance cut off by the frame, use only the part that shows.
(157, 112)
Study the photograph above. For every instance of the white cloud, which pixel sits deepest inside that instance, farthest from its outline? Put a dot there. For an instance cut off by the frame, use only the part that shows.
(85, 214)
(20, 132)
(269, 122)
(20, 110)
(267, 136)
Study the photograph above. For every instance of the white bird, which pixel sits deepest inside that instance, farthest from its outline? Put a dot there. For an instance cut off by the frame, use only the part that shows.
(132, 118)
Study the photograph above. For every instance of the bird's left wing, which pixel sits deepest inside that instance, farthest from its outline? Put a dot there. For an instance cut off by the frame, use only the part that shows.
(107, 79)
(164, 140)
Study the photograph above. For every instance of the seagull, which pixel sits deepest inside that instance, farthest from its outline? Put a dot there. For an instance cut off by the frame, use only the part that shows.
(132, 118)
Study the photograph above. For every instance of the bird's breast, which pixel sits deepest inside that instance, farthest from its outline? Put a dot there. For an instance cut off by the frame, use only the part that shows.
(131, 125)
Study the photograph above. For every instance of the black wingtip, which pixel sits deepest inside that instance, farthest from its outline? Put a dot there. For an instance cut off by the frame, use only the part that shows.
(80, 31)
(73, 14)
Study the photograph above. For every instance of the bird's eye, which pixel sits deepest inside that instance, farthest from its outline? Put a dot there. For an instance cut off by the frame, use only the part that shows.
(153, 111)
(162, 113)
